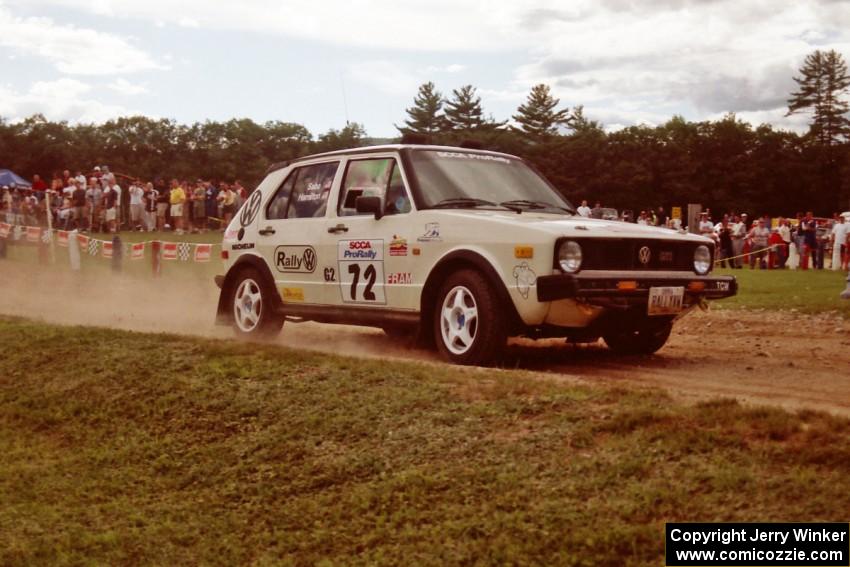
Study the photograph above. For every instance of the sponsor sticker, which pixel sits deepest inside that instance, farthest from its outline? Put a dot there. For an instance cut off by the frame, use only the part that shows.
(292, 293)
(524, 252)
(361, 250)
(203, 252)
(4, 229)
(62, 238)
(399, 278)
(431, 234)
(478, 157)
(398, 246)
(243, 246)
(106, 250)
(295, 259)
(525, 278)
(137, 251)
(169, 250)
(33, 234)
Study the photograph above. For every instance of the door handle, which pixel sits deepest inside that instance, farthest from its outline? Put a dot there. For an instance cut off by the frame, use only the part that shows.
(338, 228)
(266, 231)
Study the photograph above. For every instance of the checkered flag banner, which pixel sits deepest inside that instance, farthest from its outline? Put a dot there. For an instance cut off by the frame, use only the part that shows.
(93, 246)
(17, 232)
(184, 249)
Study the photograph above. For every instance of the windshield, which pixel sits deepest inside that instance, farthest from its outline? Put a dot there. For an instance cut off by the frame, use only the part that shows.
(467, 179)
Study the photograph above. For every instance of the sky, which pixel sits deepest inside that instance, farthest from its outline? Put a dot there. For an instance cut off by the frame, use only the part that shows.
(322, 62)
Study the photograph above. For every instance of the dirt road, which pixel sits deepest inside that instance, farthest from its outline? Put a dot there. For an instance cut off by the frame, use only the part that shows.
(778, 358)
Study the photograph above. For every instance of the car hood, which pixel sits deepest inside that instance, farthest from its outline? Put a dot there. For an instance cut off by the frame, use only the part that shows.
(577, 226)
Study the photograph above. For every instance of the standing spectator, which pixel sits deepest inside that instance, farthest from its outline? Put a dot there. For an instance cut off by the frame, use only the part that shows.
(242, 194)
(38, 186)
(808, 230)
(110, 206)
(163, 200)
(738, 235)
(78, 200)
(199, 206)
(838, 237)
(583, 210)
(212, 204)
(596, 211)
(150, 198)
(726, 251)
(661, 217)
(227, 197)
(784, 230)
(136, 206)
(706, 228)
(177, 198)
(94, 196)
(759, 236)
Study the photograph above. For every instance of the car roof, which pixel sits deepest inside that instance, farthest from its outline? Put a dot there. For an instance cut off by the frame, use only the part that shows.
(385, 148)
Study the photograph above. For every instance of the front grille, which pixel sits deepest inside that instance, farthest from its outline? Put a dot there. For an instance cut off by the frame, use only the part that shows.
(629, 253)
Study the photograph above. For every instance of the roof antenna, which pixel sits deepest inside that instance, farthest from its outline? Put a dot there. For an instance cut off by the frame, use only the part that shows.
(344, 98)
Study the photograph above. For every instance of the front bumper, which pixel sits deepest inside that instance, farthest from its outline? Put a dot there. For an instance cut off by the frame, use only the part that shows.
(602, 286)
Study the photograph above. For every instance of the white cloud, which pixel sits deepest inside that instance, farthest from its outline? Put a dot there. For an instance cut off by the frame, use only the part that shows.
(63, 99)
(386, 76)
(72, 50)
(125, 87)
(188, 23)
(453, 68)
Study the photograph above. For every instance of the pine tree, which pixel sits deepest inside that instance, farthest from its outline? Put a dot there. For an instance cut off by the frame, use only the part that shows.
(537, 118)
(426, 113)
(464, 111)
(822, 89)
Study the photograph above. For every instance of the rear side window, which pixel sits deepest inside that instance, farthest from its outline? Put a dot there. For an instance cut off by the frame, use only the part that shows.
(304, 194)
(311, 189)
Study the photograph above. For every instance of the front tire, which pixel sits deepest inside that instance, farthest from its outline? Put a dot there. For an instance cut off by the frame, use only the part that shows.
(252, 307)
(469, 322)
(647, 337)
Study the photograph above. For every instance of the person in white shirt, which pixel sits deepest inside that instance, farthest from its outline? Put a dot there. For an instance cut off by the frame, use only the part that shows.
(706, 227)
(136, 206)
(739, 233)
(838, 237)
(584, 210)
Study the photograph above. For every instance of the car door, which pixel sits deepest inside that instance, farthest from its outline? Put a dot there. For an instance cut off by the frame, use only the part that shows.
(374, 256)
(291, 231)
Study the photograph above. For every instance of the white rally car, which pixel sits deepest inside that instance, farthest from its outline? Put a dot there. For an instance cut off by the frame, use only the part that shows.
(465, 247)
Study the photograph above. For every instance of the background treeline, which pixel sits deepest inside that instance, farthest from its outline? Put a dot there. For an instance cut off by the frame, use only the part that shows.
(724, 164)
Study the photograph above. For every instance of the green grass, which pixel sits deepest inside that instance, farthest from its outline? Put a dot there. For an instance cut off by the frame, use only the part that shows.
(129, 448)
(810, 291)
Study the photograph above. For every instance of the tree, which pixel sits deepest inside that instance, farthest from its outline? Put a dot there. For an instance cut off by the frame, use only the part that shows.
(349, 137)
(537, 118)
(426, 113)
(822, 86)
(463, 112)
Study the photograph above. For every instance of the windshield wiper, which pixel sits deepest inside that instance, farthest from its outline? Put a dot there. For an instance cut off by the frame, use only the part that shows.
(533, 205)
(461, 202)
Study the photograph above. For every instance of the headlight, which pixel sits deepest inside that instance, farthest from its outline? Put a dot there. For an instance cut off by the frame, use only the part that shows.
(569, 256)
(702, 260)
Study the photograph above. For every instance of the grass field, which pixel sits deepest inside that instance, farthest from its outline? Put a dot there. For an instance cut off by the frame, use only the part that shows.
(129, 448)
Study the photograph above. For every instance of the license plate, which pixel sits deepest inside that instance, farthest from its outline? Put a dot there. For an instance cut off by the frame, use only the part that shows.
(665, 300)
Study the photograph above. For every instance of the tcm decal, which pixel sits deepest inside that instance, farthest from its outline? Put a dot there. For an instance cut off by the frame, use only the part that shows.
(399, 278)
(361, 250)
(398, 246)
(300, 259)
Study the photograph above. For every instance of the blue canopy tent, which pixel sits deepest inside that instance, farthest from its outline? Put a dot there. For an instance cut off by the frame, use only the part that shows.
(10, 178)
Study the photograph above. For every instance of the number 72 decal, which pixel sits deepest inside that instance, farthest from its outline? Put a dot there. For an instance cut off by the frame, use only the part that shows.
(361, 271)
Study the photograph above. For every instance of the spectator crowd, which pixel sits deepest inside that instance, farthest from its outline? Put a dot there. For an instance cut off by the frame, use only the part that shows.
(804, 242)
(97, 202)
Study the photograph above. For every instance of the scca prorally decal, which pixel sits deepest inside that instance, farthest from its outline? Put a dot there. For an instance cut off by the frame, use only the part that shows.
(525, 278)
(299, 259)
(250, 209)
(361, 250)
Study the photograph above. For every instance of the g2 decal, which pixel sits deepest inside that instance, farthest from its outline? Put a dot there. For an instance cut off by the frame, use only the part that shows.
(330, 275)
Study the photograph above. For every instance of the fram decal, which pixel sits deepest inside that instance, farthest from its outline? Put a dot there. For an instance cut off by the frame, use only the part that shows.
(361, 250)
(300, 259)
(398, 246)
(292, 293)
(243, 246)
(525, 278)
(431, 234)
(399, 278)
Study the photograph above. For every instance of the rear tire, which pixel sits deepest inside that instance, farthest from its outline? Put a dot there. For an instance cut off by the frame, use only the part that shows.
(646, 337)
(469, 322)
(252, 307)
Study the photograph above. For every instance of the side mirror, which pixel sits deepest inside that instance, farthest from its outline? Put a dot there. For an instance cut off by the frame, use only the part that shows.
(370, 205)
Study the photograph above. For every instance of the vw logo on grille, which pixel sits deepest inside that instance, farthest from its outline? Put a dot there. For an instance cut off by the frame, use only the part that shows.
(644, 254)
